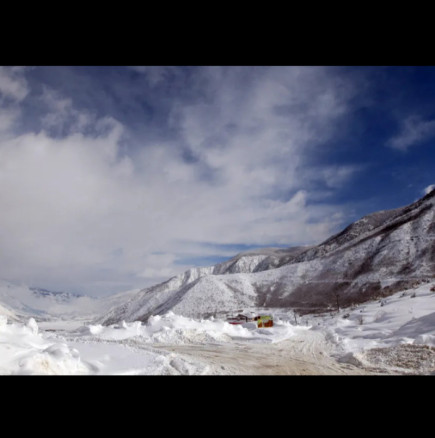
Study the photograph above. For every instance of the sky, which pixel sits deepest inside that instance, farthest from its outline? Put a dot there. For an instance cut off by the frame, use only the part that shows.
(113, 178)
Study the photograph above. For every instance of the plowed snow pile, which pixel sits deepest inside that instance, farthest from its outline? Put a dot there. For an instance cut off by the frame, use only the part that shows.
(24, 351)
(126, 348)
(176, 329)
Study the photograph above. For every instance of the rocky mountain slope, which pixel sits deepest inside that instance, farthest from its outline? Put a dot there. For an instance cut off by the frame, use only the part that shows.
(374, 257)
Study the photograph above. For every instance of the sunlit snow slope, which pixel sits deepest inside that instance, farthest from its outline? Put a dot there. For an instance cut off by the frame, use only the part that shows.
(374, 257)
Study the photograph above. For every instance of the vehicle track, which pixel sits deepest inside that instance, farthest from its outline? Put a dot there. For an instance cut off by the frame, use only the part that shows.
(304, 354)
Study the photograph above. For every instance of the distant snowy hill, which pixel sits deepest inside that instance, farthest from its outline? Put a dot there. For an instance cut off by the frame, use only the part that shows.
(21, 302)
(57, 296)
(374, 257)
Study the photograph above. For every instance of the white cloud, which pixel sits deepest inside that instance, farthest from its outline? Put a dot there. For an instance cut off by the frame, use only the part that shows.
(13, 86)
(76, 212)
(7, 119)
(334, 176)
(158, 266)
(252, 131)
(13, 89)
(61, 118)
(414, 130)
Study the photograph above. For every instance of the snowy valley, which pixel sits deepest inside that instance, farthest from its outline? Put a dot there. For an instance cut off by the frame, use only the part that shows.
(362, 302)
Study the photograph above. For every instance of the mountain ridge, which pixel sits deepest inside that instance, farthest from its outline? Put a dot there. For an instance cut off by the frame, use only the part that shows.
(373, 257)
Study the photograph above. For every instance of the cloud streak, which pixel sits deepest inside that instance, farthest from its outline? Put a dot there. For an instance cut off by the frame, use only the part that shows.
(414, 130)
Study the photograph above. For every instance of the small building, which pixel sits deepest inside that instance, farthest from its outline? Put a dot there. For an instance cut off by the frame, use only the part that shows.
(264, 321)
(261, 320)
(239, 319)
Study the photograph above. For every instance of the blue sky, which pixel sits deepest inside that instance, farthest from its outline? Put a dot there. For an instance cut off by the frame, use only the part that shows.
(113, 178)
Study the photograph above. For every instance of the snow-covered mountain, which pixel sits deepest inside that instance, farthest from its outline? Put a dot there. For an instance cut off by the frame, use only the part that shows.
(22, 302)
(56, 295)
(374, 257)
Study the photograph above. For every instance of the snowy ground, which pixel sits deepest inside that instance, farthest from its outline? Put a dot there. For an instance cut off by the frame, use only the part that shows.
(392, 336)
(396, 333)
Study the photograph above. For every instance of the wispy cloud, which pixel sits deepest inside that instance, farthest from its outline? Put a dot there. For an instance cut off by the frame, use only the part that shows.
(414, 130)
(155, 74)
(13, 86)
(13, 89)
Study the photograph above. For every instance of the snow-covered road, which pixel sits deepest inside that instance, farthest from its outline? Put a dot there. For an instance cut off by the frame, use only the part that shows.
(306, 353)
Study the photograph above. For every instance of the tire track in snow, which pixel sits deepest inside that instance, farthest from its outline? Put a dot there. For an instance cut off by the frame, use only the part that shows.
(305, 354)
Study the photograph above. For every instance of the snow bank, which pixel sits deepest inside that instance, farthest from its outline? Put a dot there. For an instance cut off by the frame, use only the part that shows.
(3, 321)
(55, 359)
(125, 348)
(4, 312)
(128, 357)
(24, 351)
(177, 329)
